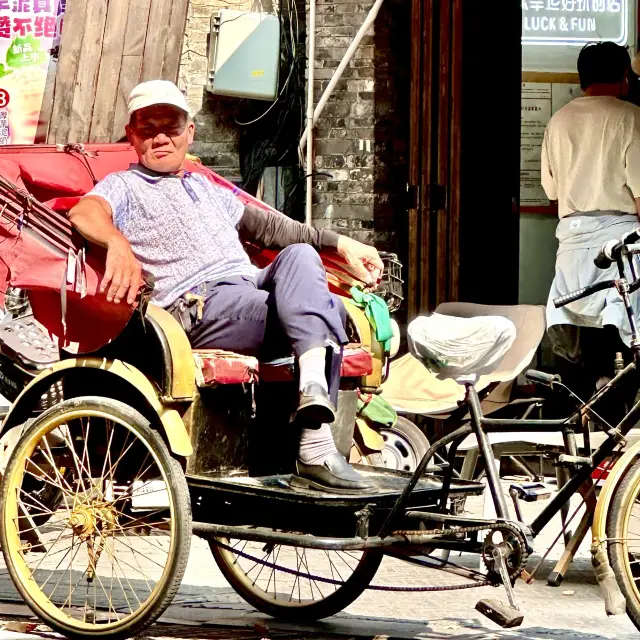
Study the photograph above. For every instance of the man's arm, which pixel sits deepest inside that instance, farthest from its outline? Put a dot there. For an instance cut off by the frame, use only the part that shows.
(632, 159)
(546, 176)
(277, 231)
(92, 217)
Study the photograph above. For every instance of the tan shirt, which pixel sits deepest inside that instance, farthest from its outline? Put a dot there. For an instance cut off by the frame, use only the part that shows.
(591, 156)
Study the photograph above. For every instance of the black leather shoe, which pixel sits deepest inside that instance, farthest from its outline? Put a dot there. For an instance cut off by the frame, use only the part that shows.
(315, 406)
(336, 475)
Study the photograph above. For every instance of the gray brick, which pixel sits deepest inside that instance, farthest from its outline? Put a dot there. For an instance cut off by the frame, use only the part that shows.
(362, 108)
(202, 10)
(326, 147)
(333, 41)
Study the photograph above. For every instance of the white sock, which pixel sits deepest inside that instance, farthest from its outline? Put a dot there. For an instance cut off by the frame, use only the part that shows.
(316, 445)
(313, 364)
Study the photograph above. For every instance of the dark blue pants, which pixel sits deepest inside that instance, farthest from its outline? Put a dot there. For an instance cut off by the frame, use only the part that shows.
(287, 307)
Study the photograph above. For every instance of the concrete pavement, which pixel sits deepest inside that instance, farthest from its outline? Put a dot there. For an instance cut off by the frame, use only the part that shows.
(206, 606)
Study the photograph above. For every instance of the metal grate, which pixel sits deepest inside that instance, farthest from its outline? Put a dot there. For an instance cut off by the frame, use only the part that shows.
(390, 287)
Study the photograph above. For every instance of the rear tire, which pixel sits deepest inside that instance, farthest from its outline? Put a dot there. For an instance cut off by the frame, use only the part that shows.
(260, 585)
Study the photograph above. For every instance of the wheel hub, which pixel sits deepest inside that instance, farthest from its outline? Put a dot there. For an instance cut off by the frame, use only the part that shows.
(398, 454)
(88, 519)
(82, 521)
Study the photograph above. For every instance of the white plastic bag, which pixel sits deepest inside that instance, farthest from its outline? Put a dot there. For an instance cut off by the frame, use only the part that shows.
(455, 347)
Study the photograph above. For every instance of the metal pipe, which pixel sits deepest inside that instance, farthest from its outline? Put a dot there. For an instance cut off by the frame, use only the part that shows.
(206, 530)
(344, 63)
(493, 477)
(460, 433)
(308, 216)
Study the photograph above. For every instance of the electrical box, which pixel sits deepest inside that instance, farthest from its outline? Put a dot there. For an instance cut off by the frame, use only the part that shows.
(244, 54)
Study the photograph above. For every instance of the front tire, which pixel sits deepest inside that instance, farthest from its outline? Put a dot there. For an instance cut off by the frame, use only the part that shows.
(112, 555)
(623, 532)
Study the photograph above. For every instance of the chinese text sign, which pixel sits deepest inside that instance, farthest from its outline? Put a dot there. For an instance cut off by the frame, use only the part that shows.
(29, 30)
(557, 22)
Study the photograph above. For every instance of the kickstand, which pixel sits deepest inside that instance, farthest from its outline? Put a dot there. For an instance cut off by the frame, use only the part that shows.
(507, 616)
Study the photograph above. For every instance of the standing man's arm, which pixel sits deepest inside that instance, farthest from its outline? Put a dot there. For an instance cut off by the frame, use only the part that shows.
(546, 175)
(632, 160)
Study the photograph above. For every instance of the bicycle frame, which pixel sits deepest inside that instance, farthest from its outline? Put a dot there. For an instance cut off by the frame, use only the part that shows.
(481, 426)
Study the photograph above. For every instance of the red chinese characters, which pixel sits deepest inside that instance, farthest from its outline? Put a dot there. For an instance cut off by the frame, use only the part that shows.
(23, 26)
(45, 27)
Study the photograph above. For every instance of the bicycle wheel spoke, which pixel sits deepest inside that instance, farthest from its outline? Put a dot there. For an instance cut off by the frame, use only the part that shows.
(341, 556)
(296, 578)
(114, 564)
(139, 567)
(49, 456)
(262, 566)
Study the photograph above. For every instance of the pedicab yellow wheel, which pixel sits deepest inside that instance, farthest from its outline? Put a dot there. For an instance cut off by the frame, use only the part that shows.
(623, 531)
(111, 555)
(295, 583)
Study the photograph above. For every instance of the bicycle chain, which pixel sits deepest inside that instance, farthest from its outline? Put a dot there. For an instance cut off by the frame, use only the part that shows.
(512, 528)
(493, 577)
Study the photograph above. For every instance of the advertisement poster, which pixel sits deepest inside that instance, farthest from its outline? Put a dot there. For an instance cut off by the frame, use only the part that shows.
(29, 36)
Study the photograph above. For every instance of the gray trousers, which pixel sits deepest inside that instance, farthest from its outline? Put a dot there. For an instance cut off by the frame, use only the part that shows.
(287, 307)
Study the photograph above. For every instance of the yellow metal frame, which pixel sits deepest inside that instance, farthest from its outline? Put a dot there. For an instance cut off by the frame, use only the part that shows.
(183, 385)
(177, 434)
(599, 526)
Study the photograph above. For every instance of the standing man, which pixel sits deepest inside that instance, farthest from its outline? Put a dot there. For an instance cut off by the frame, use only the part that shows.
(188, 232)
(591, 167)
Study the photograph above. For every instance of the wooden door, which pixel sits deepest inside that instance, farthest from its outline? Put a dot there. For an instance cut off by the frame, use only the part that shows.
(434, 154)
(107, 47)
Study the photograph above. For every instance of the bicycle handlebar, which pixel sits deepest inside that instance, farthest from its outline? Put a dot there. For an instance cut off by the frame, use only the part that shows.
(611, 250)
(561, 301)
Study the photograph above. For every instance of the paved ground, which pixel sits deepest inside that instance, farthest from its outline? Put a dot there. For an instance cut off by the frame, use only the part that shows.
(206, 607)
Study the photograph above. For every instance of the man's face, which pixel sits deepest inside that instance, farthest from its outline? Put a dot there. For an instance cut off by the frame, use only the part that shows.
(161, 135)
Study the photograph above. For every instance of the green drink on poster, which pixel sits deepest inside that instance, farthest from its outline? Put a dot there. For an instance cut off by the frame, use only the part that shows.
(29, 31)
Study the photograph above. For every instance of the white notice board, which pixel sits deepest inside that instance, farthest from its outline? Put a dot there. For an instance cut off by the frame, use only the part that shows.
(539, 101)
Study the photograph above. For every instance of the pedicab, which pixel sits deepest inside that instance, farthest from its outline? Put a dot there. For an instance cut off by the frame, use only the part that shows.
(121, 442)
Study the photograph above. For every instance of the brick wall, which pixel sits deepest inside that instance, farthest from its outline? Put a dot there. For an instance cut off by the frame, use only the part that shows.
(362, 134)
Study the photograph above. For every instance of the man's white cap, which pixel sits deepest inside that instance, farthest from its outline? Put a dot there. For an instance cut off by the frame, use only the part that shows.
(153, 92)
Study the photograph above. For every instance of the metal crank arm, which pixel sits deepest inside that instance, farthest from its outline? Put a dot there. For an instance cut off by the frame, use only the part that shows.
(498, 556)
(507, 616)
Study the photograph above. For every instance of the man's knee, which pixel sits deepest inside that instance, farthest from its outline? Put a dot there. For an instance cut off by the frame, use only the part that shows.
(301, 253)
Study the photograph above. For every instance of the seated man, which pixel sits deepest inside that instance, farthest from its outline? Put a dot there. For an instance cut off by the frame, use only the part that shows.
(187, 233)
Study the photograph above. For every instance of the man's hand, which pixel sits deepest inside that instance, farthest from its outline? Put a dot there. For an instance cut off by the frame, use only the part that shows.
(123, 273)
(362, 258)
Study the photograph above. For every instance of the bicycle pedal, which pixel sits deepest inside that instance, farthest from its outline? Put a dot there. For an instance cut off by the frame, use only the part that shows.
(566, 459)
(500, 613)
(531, 491)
